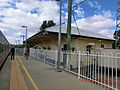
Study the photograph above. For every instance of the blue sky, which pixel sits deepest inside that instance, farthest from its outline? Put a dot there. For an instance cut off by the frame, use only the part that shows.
(94, 15)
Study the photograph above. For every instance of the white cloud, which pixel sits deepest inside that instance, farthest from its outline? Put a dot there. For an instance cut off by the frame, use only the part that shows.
(98, 23)
(15, 18)
(94, 4)
(47, 10)
(80, 12)
(78, 1)
(4, 1)
(65, 5)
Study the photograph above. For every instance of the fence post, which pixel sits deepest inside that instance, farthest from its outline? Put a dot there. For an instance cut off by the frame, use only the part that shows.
(112, 72)
(68, 61)
(56, 58)
(108, 72)
(37, 53)
(34, 53)
(79, 64)
(44, 55)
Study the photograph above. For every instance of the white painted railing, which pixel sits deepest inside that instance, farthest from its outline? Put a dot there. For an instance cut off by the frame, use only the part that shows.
(95, 67)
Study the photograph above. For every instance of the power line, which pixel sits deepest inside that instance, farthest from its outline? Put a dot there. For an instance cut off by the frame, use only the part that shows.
(76, 23)
(74, 8)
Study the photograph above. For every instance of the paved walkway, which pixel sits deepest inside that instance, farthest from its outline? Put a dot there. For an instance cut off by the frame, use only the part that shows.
(42, 76)
(17, 81)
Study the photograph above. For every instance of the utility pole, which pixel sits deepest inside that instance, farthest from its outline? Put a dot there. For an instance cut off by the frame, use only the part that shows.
(69, 31)
(16, 42)
(23, 36)
(59, 40)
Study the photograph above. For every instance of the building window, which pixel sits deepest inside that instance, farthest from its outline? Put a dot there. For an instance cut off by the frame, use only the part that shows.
(102, 46)
(44, 48)
(65, 47)
(73, 49)
(49, 48)
(88, 48)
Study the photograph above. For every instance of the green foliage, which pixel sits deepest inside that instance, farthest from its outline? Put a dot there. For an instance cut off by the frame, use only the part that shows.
(43, 26)
(117, 37)
(46, 25)
(116, 34)
(50, 23)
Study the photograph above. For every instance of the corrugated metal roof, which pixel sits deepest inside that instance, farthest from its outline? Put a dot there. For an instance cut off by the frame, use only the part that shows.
(74, 31)
(3, 38)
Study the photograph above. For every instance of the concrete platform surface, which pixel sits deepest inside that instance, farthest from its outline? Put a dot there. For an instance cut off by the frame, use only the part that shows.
(46, 77)
(17, 81)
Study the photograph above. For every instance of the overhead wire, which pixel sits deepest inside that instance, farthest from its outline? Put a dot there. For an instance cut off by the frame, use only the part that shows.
(76, 23)
(79, 3)
(74, 7)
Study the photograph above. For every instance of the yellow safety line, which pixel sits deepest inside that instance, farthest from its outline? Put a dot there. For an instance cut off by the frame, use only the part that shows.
(29, 76)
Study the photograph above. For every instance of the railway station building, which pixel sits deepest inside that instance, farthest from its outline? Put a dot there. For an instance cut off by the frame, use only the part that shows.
(81, 40)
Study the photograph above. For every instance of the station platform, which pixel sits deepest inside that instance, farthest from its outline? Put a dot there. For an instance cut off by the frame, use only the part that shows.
(32, 74)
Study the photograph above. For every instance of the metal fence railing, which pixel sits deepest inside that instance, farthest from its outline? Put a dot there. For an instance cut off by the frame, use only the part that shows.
(99, 68)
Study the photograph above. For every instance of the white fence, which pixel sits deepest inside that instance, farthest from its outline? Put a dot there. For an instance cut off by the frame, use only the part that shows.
(98, 68)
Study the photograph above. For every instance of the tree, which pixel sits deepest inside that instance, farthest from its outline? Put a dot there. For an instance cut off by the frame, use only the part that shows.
(50, 23)
(46, 25)
(43, 26)
(117, 37)
(117, 34)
